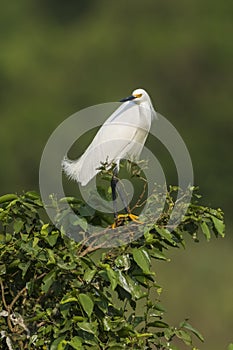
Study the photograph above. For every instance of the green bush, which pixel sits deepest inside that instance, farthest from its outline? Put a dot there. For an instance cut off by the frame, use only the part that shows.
(60, 294)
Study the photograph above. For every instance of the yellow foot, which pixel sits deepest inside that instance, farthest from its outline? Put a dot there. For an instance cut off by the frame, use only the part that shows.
(135, 218)
(122, 218)
(114, 225)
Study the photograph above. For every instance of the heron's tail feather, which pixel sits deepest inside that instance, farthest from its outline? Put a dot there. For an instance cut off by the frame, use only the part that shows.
(72, 168)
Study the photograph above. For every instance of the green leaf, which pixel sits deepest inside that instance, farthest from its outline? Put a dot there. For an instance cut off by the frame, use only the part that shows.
(135, 321)
(62, 345)
(68, 299)
(48, 281)
(131, 286)
(86, 211)
(7, 198)
(156, 253)
(158, 324)
(123, 261)
(219, 225)
(113, 277)
(2, 238)
(18, 225)
(188, 326)
(51, 257)
(88, 327)
(79, 221)
(35, 197)
(14, 263)
(186, 337)
(45, 230)
(230, 347)
(89, 274)
(102, 304)
(76, 343)
(32, 195)
(149, 237)
(86, 303)
(35, 242)
(205, 230)
(24, 267)
(2, 269)
(142, 258)
(52, 239)
(78, 318)
(56, 342)
(165, 234)
(116, 346)
(116, 324)
(8, 237)
(66, 266)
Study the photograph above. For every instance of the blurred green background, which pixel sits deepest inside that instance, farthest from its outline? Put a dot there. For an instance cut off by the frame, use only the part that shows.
(59, 57)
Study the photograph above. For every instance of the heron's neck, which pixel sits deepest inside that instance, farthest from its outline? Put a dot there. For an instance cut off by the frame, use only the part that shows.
(148, 105)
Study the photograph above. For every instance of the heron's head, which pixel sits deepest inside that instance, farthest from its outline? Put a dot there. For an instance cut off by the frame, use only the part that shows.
(138, 96)
(141, 96)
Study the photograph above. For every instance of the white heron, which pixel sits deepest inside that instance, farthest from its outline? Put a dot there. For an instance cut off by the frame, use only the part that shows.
(122, 136)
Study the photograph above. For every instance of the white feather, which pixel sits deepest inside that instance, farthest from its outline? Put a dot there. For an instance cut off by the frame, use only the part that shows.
(121, 136)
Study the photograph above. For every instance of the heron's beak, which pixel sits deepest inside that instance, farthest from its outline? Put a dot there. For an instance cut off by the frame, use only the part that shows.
(129, 98)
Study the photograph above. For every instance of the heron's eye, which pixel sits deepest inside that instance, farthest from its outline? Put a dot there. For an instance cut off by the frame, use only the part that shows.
(138, 95)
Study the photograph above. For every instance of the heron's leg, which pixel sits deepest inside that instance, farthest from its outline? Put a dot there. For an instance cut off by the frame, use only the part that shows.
(128, 214)
(114, 181)
(120, 190)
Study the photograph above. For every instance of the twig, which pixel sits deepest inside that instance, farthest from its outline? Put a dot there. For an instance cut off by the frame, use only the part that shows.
(16, 298)
(10, 307)
(141, 196)
(6, 306)
(3, 295)
(40, 276)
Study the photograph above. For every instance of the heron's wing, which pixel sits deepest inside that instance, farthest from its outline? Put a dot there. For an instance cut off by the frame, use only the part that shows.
(121, 136)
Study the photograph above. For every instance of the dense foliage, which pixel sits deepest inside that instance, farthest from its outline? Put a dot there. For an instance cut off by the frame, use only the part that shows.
(58, 58)
(59, 294)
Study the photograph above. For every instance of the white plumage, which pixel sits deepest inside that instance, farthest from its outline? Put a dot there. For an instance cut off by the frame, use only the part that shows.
(122, 136)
